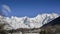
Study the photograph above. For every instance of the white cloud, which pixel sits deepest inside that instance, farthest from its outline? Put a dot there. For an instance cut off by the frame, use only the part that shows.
(6, 8)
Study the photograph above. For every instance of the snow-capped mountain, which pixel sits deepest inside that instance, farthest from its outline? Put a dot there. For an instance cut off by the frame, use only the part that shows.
(26, 22)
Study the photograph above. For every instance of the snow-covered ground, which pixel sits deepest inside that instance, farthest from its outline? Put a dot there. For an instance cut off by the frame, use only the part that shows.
(26, 22)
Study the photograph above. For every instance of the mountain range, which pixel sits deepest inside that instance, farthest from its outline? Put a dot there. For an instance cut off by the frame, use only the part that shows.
(26, 22)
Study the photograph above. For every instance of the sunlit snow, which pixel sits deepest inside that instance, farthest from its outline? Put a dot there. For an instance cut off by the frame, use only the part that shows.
(26, 22)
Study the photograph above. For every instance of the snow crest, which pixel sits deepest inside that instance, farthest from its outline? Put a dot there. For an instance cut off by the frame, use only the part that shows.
(26, 22)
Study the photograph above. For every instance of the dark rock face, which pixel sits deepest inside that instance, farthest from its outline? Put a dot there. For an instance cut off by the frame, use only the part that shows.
(53, 22)
(52, 27)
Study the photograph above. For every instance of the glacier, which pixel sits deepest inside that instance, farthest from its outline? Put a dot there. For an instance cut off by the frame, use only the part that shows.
(26, 22)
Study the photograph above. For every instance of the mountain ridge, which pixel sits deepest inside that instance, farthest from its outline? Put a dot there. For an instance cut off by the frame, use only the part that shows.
(26, 22)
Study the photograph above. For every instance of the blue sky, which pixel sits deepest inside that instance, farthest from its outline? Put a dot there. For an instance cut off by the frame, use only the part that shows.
(31, 8)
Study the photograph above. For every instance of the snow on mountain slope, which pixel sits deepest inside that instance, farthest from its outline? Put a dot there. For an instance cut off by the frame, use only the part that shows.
(26, 22)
